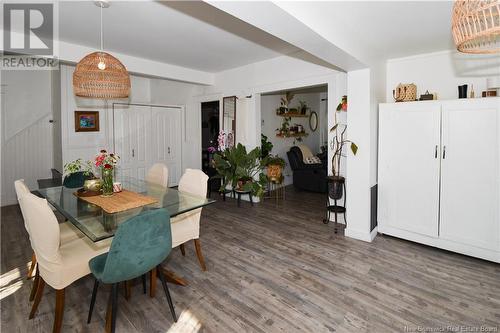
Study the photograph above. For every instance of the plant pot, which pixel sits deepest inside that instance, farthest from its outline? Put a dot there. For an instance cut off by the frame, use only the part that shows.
(274, 172)
(336, 187)
(242, 183)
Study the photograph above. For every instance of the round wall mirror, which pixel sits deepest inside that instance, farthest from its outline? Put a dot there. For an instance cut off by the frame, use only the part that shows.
(313, 121)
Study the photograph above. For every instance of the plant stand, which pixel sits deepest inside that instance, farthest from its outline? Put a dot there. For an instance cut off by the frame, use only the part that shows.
(335, 208)
(240, 193)
(275, 190)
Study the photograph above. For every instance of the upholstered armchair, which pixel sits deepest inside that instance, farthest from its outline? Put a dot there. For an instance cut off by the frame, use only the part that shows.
(308, 177)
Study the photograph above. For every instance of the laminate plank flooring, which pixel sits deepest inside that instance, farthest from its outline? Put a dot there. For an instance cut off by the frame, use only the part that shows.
(273, 268)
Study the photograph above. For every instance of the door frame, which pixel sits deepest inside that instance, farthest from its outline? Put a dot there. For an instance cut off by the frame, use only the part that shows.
(183, 123)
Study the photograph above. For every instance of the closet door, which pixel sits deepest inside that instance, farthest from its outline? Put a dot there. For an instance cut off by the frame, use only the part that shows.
(409, 167)
(166, 141)
(470, 174)
(133, 140)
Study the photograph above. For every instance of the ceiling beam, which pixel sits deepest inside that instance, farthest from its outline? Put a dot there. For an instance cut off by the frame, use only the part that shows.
(73, 53)
(272, 19)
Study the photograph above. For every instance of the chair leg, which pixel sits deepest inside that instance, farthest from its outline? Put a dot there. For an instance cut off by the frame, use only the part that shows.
(128, 290)
(59, 311)
(152, 282)
(32, 266)
(197, 245)
(167, 293)
(144, 283)
(35, 285)
(114, 306)
(38, 297)
(92, 301)
(183, 250)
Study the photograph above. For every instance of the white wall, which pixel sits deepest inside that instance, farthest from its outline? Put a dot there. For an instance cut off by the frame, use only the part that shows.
(146, 90)
(26, 131)
(270, 121)
(442, 72)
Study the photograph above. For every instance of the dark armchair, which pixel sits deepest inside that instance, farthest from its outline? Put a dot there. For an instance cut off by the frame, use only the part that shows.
(308, 177)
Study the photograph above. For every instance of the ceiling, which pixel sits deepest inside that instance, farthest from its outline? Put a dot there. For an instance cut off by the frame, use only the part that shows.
(197, 35)
(380, 29)
(302, 90)
(190, 34)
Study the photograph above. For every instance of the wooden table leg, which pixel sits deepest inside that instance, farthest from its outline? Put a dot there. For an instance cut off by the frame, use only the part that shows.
(174, 278)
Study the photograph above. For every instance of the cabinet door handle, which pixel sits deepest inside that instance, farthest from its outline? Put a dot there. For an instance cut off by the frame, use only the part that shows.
(444, 152)
(169, 150)
(133, 152)
(436, 152)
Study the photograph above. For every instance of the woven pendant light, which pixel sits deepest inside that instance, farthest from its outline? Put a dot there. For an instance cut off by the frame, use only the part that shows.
(476, 26)
(100, 75)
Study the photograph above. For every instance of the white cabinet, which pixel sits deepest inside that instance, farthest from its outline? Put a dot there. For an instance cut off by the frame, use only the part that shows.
(439, 174)
(144, 135)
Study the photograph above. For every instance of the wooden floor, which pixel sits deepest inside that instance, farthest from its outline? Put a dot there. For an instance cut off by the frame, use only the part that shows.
(274, 268)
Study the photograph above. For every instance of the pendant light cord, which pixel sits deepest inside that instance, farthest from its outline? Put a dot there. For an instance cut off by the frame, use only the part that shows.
(102, 42)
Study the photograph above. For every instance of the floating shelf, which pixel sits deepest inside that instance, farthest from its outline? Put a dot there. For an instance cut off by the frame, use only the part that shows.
(293, 115)
(295, 135)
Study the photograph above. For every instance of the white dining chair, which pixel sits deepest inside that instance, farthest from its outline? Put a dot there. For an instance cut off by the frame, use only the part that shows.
(68, 232)
(59, 264)
(186, 227)
(158, 174)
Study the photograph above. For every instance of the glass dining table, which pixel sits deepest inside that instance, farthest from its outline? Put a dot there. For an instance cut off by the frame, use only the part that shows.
(97, 224)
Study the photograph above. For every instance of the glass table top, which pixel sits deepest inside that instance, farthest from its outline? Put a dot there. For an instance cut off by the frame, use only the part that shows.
(97, 225)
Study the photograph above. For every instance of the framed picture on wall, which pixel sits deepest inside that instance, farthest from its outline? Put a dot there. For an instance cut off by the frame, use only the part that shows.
(86, 121)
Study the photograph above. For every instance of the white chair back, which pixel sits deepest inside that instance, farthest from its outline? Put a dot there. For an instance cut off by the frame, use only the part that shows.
(158, 174)
(194, 181)
(44, 232)
(22, 190)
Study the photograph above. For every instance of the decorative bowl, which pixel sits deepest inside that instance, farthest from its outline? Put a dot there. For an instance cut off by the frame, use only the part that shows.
(94, 185)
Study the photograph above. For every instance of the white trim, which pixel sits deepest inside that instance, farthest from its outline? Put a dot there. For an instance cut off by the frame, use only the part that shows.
(442, 243)
(361, 235)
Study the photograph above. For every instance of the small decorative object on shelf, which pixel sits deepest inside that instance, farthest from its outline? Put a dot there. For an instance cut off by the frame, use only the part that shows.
(427, 96)
(303, 107)
(472, 93)
(406, 92)
(462, 91)
(343, 104)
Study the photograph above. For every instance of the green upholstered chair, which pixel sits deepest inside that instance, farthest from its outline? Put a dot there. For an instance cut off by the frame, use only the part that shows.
(76, 179)
(140, 244)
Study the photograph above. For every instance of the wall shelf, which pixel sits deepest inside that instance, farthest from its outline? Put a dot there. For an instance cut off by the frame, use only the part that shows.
(295, 135)
(293, 115)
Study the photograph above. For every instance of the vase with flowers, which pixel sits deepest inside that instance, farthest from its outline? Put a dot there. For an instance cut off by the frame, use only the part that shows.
(106, 162)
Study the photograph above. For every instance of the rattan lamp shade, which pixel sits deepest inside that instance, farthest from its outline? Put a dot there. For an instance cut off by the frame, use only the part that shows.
(100, 75)
(476, 26)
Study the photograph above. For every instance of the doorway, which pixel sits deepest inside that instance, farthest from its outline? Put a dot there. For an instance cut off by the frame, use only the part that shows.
(210, 124)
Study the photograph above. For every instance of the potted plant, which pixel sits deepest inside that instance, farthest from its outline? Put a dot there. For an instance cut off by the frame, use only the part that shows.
(265, 146)
(303, 107)
(240, 169)
(285, 102)
(337, 144)
(275, 166)
(77, 173)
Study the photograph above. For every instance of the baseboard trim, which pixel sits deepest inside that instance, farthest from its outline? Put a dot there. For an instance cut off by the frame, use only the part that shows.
(361, 235)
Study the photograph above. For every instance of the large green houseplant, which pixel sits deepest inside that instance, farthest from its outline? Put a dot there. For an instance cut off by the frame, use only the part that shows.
(241, 170)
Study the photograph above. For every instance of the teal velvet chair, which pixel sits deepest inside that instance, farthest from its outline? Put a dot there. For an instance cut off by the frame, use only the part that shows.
(140, 245)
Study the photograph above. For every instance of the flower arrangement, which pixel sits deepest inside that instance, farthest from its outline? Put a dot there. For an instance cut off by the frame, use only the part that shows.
(106, 160)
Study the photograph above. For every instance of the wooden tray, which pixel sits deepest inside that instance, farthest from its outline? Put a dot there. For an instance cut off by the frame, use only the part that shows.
(120, 202)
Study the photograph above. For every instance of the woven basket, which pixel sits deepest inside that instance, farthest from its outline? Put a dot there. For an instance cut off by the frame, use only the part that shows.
(405, 92)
